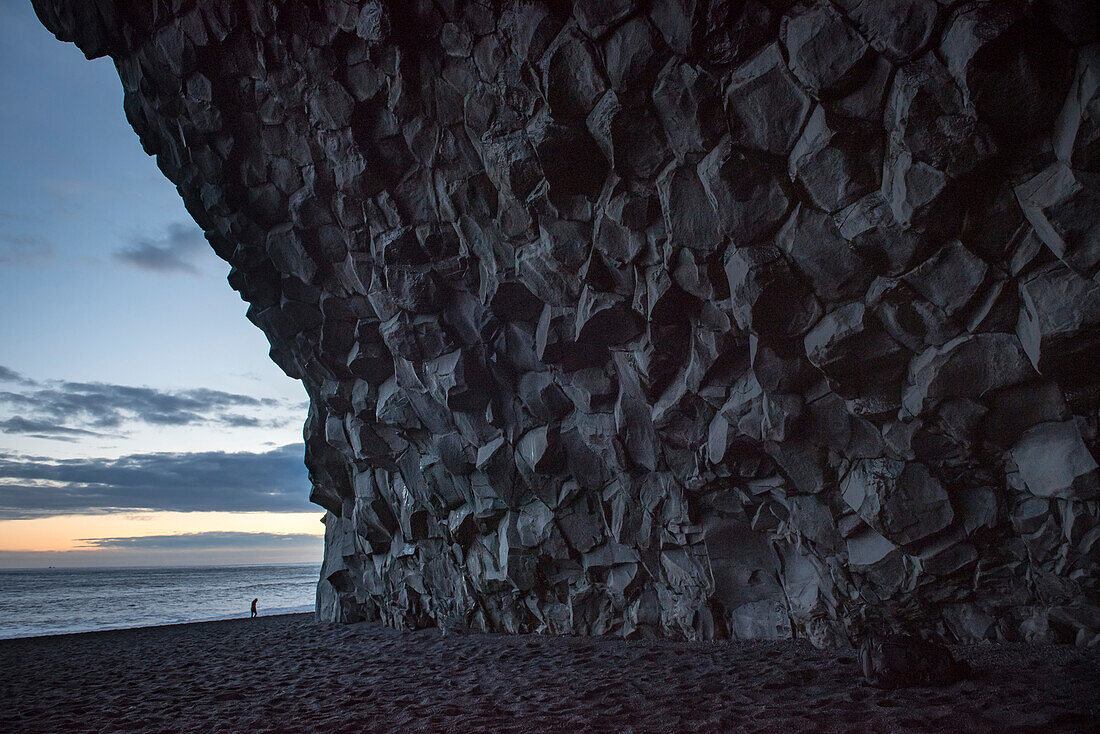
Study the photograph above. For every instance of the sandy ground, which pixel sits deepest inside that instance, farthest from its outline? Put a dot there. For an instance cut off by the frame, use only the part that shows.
(286, 673)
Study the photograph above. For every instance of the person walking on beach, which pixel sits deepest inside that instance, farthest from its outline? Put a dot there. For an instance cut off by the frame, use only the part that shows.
(254, 608)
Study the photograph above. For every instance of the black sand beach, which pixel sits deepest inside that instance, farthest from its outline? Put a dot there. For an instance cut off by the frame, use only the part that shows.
(287, 673)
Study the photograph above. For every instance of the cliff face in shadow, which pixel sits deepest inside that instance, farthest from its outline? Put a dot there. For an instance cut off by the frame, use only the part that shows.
(682, 317)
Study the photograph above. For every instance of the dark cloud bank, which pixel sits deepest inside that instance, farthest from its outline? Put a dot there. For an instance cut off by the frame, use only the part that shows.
(272, 481)
(71, 410)
(10, 375)
(42, 429)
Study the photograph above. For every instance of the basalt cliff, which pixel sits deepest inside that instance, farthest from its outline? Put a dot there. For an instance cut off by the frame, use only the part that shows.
(702, 318)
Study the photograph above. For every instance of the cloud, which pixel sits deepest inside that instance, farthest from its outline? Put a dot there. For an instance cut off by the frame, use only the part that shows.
(272, 481)
(42, 429)
(10, 375)
(171, 253)
(210, 540)
(241, 421)
(96, 406)
(22, 249)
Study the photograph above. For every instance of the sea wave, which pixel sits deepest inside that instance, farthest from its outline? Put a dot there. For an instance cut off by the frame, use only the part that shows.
(48, 603)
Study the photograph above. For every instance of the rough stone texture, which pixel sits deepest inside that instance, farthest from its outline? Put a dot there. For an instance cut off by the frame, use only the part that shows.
(684, 317)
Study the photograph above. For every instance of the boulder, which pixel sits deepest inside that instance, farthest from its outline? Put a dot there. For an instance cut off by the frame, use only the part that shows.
(825, 51)
(929, 117)
(572, 78)
(867, 548)
(901, 500)
(1063, 212)
(1013, 66)
(1076, 134)
(750, 201)
(690, 219)
(596, 17)
(950, 278)
(814, 244)
(900, 29)
(853, 350)
(686, 99)
(869, 225)
(768, 299)
(1059, 314)
(834, 168)
(767, 108)
(969, 366)
(901, 661)
(1053, 461)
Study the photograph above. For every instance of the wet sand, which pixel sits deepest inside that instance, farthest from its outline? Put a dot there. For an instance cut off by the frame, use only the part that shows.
(287, 673)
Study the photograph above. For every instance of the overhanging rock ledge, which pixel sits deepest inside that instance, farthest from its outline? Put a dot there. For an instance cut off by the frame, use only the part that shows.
(685, 317)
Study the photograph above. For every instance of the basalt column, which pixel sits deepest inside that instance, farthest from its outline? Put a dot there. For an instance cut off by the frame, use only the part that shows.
(703, 318)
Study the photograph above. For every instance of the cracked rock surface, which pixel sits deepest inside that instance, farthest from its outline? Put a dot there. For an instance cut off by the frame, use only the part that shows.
(692, 318)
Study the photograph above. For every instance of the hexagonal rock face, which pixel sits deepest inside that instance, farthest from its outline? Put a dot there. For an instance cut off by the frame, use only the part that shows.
(690, 318)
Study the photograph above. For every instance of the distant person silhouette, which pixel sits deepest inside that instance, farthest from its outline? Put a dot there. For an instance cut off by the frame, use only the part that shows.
(254, 607)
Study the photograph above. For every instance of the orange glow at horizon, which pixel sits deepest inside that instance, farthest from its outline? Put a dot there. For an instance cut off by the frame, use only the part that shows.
(65, 532)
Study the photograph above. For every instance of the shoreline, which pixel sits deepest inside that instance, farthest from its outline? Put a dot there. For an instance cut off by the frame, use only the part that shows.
(288, 672)
(245, 617)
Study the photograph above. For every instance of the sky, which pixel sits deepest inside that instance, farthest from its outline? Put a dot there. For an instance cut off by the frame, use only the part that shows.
(141, 421)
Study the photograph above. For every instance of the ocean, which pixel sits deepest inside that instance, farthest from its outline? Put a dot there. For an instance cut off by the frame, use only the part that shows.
(57, 601)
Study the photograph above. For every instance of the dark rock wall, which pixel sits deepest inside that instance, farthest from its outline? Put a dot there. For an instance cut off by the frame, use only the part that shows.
(687, 317)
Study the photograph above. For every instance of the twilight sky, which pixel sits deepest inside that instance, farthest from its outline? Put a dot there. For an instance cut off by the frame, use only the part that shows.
(141, 421)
